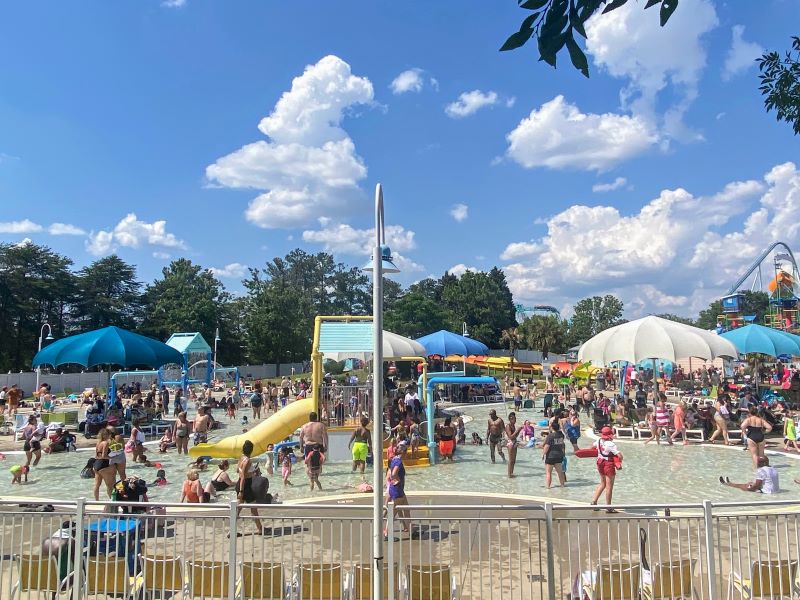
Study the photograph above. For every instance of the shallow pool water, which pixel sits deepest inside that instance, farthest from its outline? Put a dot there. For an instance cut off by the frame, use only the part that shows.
(651, 474)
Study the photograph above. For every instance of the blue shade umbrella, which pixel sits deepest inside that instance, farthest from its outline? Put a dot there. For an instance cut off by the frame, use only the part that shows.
(763, 340)
(108, 346)
(445, 343)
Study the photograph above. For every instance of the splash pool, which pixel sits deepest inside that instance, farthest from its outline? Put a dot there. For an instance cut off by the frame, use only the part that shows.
(651, 473)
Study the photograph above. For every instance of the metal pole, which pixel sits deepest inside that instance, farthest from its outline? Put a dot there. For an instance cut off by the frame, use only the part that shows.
(377, 401)
(39, 367)
(216, 339)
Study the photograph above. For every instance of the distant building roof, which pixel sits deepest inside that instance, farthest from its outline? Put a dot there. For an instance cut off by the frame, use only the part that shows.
(189, 343)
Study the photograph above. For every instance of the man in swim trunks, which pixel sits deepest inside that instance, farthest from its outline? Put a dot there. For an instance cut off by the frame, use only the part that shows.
(361, 445)
(494, 434)
(313, 433)
(201, 425)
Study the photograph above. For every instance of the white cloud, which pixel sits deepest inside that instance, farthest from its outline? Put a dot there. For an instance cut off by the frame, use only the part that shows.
(469, 103)
(308, 167)
(230, 271)
(173, 3)
(519, 249)
(559, 136)
(23, 242)
(459, 212)
(343, 238)
(741, 56)
(65, 229)
(130, 232)
(459, 269)
(611, 186)
(412, 80)
(674, 254)
(161, 255)
(24, 226)
(630, 43)
(99, 243)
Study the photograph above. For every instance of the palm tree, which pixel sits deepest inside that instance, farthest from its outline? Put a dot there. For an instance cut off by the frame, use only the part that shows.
(544, 333)
(510, 339)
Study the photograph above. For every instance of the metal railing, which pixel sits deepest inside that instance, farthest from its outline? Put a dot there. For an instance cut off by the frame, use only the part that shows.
(81, 550)
(344, 405)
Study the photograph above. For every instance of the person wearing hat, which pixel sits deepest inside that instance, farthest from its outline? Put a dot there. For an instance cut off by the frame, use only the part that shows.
(609, 459)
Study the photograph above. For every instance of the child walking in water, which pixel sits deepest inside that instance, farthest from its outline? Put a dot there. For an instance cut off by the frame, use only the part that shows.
(650, 419)
(285, 460)
(231, 410)
(314, 462)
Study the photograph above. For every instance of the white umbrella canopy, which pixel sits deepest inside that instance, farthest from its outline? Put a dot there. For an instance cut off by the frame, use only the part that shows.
(394, 346)
(654, 337)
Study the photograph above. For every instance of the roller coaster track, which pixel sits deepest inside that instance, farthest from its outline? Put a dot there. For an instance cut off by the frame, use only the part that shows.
(757, 262)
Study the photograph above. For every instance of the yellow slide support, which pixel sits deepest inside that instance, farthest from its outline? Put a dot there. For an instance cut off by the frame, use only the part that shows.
(272, 431)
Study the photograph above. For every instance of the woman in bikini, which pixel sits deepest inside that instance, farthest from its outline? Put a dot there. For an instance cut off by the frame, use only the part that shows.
(754, 427)
(180, 434)
(103, 471)
(512, 432)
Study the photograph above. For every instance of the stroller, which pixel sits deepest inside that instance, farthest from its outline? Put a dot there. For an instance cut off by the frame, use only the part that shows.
(132, 489)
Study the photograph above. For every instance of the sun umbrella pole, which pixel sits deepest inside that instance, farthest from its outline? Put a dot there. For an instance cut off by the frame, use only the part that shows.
(655, 380)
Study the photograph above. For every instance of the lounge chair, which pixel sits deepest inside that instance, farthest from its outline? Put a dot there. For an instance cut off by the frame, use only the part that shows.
(320, 582)
(263, 581)
(107, 576)
(669, 580)
(162, 574)
(208, 578)
(611, 582)
(767, 579)
(39, 574)
(362, 582)
(430, 582)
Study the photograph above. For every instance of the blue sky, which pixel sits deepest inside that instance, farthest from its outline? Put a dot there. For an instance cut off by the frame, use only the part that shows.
(236, 131)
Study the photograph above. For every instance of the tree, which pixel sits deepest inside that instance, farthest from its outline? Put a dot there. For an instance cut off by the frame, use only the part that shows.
(36, 287)
(509, 338)
(482, 301)
(554, 23)
(187, 298)
(414, 315)
(108, 294)
(276, 319)
(593, 315)
(780, 84)
(544, 333)
(676, 318)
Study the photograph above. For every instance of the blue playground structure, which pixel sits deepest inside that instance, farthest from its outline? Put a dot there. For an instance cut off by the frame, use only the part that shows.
(434, 379)
(136, 375)
(194, 348)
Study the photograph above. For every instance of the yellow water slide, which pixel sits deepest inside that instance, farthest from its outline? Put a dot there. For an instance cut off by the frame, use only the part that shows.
(280, 425)
(272, 431)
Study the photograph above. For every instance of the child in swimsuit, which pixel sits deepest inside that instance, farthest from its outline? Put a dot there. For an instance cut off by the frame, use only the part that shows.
(285, 461)
(166, 441)
(161, 478)
(314, 462)
(18, 472)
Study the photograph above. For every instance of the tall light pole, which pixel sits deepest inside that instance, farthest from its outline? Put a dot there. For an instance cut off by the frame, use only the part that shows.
(49, 337)
(216, 339)
(381, 263)
(464, 333)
